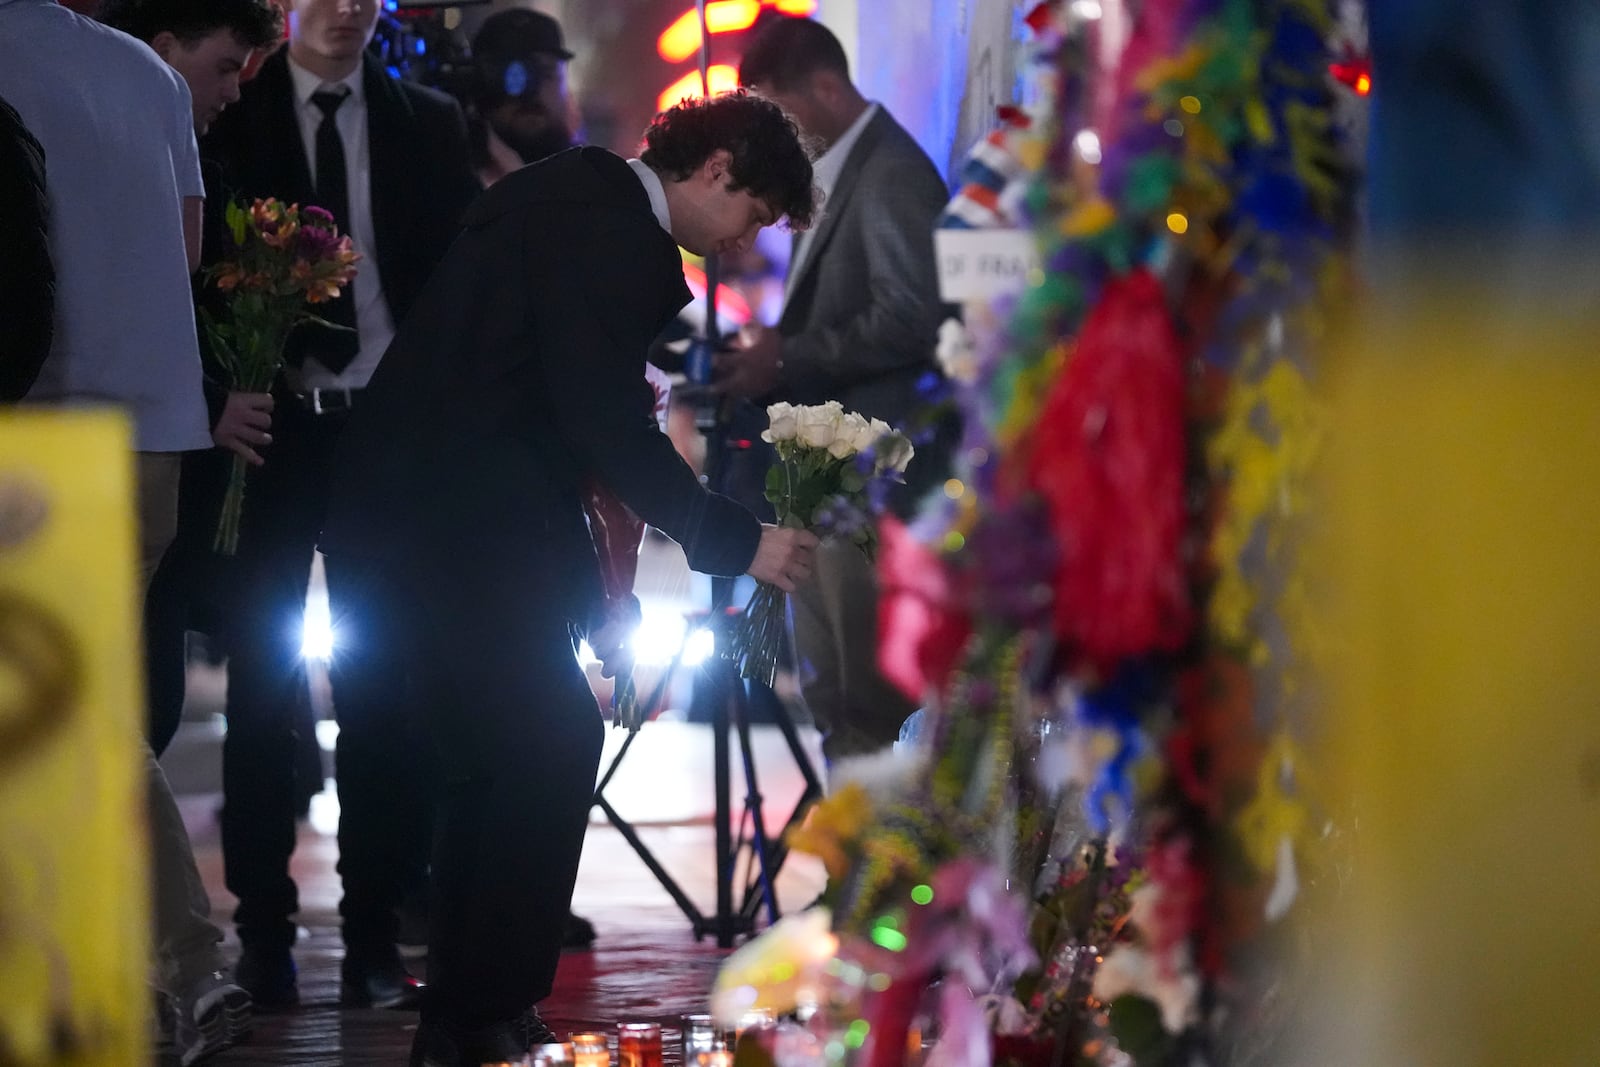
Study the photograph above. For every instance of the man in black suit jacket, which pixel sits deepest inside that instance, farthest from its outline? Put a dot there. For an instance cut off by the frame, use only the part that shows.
(323, 124)
(457, 493)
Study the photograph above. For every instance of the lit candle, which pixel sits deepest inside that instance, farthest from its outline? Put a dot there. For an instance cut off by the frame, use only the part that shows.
(590, 1050)
(557, 1054)
(716, 1058)
(638, 1045)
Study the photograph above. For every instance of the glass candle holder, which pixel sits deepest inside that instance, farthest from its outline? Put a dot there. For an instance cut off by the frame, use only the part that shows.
(590, 1050)
(558, 1054)
(700, 1034)
(638, 1045)
(754, 1019)
(757, 1019)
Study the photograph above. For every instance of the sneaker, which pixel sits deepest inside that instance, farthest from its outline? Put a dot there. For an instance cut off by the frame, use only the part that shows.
(212, 1014)
(164, 1027)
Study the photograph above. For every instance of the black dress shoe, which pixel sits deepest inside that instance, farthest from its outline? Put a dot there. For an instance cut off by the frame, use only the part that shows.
(578, 932)
(376, 978)
(440, 1044)
(268, 975)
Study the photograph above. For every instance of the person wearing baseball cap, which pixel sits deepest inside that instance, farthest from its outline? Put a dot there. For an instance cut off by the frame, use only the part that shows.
(520, 79)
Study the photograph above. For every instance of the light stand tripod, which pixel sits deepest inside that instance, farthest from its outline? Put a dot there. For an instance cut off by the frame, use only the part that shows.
(730, 705)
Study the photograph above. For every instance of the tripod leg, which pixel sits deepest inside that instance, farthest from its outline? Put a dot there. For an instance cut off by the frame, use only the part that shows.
(685, 905)
(791, 737)
(758, 831)
(725, 925)
(779, 852)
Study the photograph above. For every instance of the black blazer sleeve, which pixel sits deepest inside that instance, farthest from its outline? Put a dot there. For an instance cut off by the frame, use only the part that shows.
(27, 276)
(594, 326)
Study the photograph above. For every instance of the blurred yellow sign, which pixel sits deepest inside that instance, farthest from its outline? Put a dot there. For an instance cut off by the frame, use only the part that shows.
(73, 890)
(1465, 513)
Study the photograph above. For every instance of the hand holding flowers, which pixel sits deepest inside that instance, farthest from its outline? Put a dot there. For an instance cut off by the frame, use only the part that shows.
(828, 459)
(282, 260)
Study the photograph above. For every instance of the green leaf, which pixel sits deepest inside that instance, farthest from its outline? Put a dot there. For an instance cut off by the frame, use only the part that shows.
(775, 485)
(238, 219)
(851, 480)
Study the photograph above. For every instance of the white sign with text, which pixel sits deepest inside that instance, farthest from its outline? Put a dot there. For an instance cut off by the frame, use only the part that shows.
(980, 264)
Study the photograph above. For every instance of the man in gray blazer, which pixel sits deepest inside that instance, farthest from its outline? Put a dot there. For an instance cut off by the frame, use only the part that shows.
(860, 324)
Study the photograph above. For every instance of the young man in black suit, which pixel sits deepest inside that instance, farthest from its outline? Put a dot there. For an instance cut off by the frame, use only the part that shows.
(457, 493)
(323, 124)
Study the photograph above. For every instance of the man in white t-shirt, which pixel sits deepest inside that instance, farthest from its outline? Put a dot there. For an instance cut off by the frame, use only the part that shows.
(125, 193)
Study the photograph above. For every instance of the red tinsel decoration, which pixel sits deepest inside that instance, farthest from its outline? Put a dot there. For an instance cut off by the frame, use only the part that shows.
(892, 1012)
(1108, 459)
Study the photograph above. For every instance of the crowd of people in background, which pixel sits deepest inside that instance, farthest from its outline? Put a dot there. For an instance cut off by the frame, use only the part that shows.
(452, 351)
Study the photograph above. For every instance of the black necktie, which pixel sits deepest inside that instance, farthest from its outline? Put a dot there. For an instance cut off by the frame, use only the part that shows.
(334, 349)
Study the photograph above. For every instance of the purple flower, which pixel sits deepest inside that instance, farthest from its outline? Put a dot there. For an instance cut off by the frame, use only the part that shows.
(840, 517)
(317, 243)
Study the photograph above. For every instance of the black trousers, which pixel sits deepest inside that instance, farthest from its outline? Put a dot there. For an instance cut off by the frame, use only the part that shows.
(517, 736)
(383, 781)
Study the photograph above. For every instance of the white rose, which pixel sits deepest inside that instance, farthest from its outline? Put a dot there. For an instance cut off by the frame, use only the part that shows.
(817, 426)
(852, 436)
(876, 430)
(955, 352)
(867, 434)
(894, 452)
(781, 424)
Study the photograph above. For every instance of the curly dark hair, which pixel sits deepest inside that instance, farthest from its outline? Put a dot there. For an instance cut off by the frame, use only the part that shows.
(256, 23)
(771, 158)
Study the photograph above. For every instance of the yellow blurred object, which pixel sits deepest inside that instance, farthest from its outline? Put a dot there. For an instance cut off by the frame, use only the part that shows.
(1465, 521)
(781, 970)
(73, 891)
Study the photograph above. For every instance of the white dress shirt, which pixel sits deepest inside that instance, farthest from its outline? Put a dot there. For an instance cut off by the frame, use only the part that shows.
(374, 325)
(655, 190)
(825, 175)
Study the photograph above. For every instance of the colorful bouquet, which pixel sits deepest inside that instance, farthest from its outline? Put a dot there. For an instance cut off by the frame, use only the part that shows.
(617, 533)
(828, 462)
(284, 260)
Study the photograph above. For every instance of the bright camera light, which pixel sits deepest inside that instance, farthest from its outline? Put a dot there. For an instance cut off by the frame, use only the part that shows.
(659, 636)
(317, 637)
(698, 647)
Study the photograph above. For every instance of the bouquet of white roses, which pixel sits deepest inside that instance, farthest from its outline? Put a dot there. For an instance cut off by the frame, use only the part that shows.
(828, 458)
